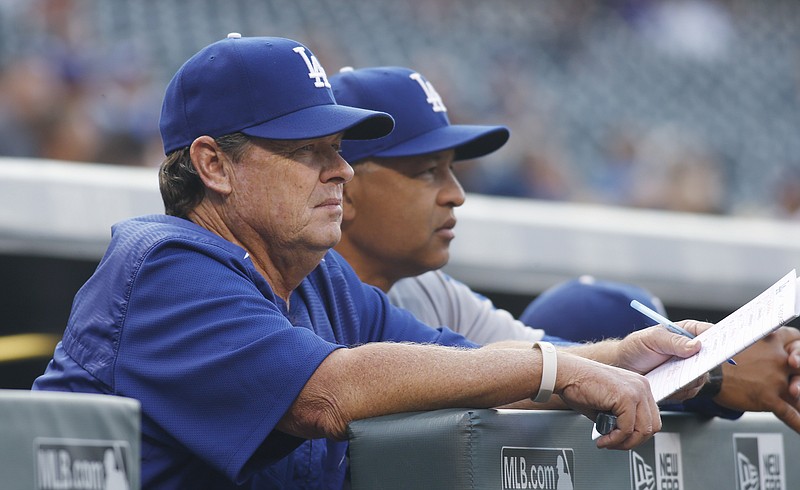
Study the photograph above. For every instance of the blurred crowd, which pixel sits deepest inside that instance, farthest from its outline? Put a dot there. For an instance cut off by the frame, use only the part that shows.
(65, 96)
(685, 105)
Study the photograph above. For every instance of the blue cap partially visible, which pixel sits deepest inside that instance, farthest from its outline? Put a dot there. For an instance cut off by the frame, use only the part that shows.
(421, 123)
(267, 87)
(588, 309)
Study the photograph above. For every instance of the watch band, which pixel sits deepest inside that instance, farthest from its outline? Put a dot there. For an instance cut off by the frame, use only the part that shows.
(549, 371)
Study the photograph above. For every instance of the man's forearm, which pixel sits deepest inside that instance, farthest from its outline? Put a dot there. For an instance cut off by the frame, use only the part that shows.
(383, 378)
(604, 352)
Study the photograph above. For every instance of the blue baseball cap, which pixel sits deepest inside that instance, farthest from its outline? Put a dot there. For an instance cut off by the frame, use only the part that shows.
(267, 87)
(421, 123)
(589, 309)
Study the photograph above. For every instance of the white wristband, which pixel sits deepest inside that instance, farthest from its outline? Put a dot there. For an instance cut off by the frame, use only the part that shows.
(549, 370)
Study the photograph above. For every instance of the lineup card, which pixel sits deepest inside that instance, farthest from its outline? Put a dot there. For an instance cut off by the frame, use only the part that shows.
(745, 326)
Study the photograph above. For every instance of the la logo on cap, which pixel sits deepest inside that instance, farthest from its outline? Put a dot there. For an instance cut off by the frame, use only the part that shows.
(315, 69)
(431, 95)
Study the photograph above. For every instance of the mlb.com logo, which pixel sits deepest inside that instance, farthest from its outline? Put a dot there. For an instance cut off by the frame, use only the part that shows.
(657, 464)
(537, 468)
(82, 464)
(759, 461)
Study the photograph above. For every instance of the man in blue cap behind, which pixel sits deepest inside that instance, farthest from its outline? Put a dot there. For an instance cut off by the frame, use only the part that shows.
(587, 309)
(249, 343)
(399, 209)
(399, 220)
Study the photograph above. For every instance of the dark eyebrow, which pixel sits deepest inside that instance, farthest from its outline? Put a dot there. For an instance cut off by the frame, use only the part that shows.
(279, 146)
(285, 146)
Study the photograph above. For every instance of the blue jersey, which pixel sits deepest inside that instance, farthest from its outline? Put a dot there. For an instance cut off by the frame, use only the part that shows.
(181, 320)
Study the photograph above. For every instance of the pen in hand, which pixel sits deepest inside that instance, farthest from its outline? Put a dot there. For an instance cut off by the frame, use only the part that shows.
(606, 422)
(664, 321)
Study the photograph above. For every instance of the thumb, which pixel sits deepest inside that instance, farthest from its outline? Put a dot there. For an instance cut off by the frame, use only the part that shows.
(684, 347)
(668, 343)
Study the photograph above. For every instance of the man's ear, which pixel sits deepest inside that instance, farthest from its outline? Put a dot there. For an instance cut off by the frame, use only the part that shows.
(211, 164)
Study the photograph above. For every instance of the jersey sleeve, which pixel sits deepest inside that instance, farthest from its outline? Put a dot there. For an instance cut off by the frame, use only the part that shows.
(212, 358)
(379, 320)
(438, 299)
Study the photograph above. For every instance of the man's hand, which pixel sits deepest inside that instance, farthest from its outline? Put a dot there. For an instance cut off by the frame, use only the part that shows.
(643, 350)
(646, 349)
(588, 387)
(766, 378)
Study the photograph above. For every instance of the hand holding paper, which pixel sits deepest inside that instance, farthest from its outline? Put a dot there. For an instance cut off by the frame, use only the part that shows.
(665, 322)
(739, 330)
(753, 321)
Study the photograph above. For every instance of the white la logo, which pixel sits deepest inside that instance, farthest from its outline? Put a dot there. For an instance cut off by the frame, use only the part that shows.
(432, 96)
(315, 69)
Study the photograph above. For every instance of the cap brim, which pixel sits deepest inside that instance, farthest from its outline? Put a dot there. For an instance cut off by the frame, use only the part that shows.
(323, 120)
(469, 141)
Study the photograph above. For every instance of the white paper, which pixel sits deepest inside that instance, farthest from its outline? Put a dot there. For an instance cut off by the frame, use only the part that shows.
(753, 321)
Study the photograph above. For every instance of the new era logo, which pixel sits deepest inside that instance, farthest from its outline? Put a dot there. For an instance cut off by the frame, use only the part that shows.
(748, 473)
(759, 462)
(656, 465)
(643, 476)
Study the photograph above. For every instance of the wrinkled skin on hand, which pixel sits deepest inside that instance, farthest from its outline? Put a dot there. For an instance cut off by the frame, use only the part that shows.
(645, 349)
(587, 386)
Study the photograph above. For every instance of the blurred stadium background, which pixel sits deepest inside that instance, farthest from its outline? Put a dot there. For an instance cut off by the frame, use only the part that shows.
(601, 96)
(687, 106)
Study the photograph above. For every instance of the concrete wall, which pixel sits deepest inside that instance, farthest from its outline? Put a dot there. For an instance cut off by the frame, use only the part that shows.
(65, 210)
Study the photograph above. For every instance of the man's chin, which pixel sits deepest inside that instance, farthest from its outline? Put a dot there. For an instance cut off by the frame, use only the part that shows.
(437, 261)
(327, 241)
